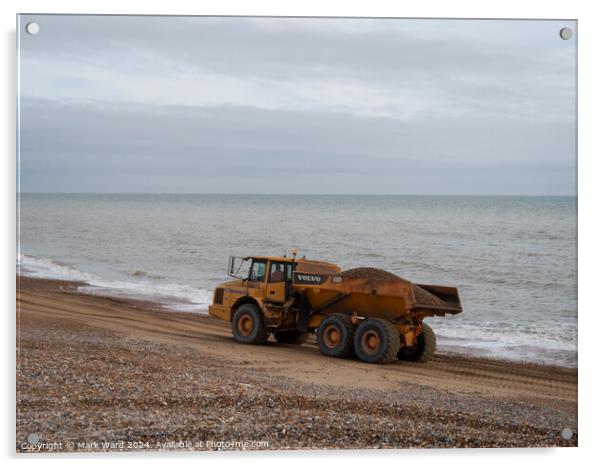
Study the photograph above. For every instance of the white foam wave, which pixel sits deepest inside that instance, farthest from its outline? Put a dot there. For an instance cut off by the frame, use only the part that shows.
(34, 266)
(179, 297)
(555, 336)
(554, 344)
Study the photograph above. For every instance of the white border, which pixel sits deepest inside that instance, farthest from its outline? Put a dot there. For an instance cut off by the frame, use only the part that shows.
(590, 322)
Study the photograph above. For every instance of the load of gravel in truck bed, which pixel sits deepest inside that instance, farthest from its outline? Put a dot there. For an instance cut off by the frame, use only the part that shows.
(371, 273)
(422, 296)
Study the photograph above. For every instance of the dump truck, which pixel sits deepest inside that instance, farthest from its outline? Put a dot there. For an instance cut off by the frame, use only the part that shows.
(364, 312)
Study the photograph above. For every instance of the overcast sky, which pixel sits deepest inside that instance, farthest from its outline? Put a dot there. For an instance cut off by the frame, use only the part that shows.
(274, 105)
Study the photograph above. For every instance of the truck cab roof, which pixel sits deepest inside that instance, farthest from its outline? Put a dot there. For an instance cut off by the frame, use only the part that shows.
(303, 264)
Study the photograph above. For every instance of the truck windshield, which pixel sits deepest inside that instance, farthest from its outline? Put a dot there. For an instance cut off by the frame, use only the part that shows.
(258, 270)
(239, 268)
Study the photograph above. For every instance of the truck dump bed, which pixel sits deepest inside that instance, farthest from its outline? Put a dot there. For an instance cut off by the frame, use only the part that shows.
(373, 293)
(447, 299)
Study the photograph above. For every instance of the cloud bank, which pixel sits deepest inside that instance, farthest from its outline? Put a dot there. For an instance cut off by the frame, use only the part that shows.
(295, 105)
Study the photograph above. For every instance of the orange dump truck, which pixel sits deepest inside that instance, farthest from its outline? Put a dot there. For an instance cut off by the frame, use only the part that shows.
(364, 311)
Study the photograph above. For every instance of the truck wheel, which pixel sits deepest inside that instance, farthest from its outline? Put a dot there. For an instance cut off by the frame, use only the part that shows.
(248, 326)
(291, 337)
(424, 348)
(335, 336)
(376, 341)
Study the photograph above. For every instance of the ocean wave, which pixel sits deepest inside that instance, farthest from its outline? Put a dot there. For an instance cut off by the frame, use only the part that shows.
(35, 266)
(553, 343)
(180, 297)
(554, 336)
(526, 354)
(139, 273)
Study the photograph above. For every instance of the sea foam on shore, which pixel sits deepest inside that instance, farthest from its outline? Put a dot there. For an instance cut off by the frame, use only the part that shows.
(179, 297)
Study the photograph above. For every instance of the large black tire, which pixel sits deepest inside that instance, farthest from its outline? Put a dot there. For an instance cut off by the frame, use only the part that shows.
(376, 341)
(423, 351)
(291, 337)
(248, 326)
(335, 336)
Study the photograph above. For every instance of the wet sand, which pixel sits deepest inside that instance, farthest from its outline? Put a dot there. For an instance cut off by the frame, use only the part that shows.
(94, 370)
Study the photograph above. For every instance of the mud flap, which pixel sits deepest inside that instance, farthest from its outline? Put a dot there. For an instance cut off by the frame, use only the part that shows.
(304, 315)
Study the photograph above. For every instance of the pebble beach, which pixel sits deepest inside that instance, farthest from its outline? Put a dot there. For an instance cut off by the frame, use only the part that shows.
(107, 374)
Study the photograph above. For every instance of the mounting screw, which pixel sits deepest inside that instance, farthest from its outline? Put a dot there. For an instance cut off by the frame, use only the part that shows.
(566, 33)
(32, 28)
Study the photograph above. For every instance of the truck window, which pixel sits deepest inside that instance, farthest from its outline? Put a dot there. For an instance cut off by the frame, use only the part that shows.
(258, 271)
(280, 272)
(276, 272)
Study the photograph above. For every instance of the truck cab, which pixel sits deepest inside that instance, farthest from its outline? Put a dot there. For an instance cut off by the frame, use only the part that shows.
(274, 275)
(264, 280)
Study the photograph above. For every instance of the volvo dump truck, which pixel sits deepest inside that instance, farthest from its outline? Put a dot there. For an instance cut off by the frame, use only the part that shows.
(364, 312)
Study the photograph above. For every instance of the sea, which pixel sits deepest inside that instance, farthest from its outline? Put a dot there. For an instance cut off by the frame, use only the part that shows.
(513, 259)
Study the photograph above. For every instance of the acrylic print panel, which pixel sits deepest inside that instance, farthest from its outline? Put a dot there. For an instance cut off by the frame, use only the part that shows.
(273, 233)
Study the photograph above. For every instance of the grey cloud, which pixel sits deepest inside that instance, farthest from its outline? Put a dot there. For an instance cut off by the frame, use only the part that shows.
(491, 106)
(79, 143)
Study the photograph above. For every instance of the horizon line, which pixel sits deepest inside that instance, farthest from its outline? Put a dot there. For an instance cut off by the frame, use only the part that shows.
(289, 194)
